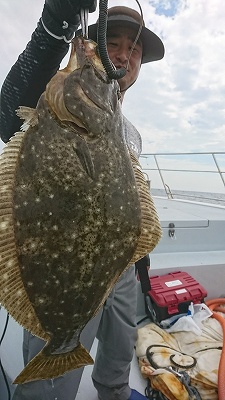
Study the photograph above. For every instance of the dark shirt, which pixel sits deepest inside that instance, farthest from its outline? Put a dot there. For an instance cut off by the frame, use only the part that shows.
(28, 78)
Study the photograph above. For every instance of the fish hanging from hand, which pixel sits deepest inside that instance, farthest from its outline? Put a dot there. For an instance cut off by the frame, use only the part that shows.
(75, 211)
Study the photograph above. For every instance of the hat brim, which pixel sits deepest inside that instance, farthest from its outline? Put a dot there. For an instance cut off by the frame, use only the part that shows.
(153, 48)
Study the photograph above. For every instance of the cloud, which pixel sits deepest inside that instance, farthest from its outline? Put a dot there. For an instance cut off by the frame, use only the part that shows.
(182, 96)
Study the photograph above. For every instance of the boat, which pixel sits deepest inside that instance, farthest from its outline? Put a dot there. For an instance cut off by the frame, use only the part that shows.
(189, 195)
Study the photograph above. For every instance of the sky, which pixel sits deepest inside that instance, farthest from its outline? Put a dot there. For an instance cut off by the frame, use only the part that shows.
(177, 103)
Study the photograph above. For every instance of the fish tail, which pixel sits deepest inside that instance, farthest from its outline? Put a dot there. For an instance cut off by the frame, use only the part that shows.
(44, 366)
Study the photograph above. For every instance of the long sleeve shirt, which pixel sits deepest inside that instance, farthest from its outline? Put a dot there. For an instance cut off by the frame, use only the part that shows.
(28, 78)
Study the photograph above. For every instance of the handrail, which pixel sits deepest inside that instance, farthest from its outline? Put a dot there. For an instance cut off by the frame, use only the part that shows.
(220, 172)
(208, 164)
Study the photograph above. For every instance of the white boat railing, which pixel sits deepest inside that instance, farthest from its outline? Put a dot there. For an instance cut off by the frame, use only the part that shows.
(194, 175)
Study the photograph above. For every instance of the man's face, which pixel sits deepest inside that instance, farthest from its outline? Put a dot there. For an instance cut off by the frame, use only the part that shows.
(119, 44)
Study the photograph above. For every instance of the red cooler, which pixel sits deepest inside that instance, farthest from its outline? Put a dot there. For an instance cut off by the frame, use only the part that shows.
(171, 294)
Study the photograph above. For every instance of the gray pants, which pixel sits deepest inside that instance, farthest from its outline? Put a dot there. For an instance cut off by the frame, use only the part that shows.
(117, 336)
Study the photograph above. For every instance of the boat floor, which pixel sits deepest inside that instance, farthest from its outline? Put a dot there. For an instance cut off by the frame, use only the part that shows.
(86, 389)
(186, 210)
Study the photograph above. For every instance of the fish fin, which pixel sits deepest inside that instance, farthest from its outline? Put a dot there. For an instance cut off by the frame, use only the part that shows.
(86, 162)
(13, 295)
(30, 116)
(84, 155)
(151, 230)
(44, 366)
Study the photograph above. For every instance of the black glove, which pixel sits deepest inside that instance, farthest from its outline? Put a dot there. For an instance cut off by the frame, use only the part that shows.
(61, 18)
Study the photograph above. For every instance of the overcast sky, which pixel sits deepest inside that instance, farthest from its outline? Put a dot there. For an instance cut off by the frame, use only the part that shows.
(178, 103)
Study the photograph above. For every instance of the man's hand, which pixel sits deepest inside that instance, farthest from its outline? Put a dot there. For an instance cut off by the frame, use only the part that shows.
(61, 18)
(66, 9)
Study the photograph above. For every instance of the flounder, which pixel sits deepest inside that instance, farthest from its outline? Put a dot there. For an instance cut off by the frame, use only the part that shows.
(75, 211)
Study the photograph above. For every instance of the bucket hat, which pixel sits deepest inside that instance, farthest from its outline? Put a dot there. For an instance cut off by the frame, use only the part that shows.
(152, 46)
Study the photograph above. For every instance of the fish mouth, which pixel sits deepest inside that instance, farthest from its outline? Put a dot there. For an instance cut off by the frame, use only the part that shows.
(93, 101)
(88, 90)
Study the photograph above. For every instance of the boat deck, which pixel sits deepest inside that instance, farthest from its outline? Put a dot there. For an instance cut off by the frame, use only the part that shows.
(86, 389)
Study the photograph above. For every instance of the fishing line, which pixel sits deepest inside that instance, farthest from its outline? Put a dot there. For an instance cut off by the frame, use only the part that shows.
(1, 366)
(110, 68)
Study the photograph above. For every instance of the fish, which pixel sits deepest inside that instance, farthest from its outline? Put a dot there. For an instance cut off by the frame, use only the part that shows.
(75, 211)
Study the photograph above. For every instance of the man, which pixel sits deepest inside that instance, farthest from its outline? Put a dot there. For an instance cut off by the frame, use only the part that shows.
(23, 86)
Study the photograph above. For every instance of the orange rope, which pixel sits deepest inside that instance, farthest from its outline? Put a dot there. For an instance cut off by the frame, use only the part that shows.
(214, 306)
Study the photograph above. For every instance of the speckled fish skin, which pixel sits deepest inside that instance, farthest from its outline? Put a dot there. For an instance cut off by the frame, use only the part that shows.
(79, 219)
(76, 209)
